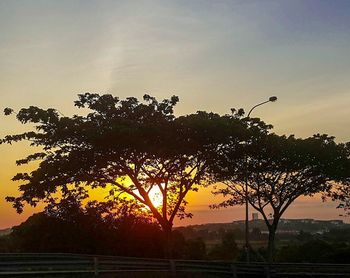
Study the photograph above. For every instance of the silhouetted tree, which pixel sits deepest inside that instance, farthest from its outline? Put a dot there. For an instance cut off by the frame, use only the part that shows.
(341, 194)
(278, 170)
(341, 191)
(133, 147)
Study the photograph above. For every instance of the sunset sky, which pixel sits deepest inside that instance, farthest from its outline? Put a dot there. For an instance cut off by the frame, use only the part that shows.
(214, 55)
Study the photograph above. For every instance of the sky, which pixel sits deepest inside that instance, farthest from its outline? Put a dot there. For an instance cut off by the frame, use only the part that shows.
(215, 55)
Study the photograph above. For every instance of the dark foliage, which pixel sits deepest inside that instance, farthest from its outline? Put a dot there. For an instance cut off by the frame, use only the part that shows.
(315, 251)
(227, 249)
(278, 170)
(132, 146)
(99, 228)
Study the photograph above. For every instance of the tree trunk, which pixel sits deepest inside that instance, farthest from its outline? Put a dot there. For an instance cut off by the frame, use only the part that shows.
(271, 243)
(168, 243)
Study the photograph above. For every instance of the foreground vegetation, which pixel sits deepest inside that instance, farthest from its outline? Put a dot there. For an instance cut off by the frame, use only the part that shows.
(98, 230)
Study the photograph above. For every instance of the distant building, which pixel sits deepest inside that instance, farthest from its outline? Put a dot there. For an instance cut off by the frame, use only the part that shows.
(285, 221)
(305, 220)
(337, 222)
(255, 216)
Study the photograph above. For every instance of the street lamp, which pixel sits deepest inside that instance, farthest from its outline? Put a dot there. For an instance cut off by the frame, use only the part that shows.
(271, 99)
(247, 246)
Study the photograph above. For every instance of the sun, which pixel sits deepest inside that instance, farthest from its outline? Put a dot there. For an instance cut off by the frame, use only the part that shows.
(156, 197)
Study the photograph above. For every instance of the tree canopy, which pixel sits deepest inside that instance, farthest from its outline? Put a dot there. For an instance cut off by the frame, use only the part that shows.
(134, 147)
(278, 170)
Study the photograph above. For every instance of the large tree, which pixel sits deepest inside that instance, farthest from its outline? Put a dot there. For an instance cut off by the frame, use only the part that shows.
(133, 147)
(278, 170)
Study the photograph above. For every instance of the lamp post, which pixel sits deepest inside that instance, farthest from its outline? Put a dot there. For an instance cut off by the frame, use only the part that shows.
(271, 99)
(247, 245)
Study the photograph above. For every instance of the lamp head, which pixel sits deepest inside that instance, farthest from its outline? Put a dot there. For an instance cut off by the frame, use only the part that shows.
(273, 99)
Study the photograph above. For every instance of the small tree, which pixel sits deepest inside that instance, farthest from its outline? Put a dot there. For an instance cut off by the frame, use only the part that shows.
(133, 147)
(278, 170)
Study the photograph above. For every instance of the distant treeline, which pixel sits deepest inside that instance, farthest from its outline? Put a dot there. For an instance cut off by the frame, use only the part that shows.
(287, 228)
